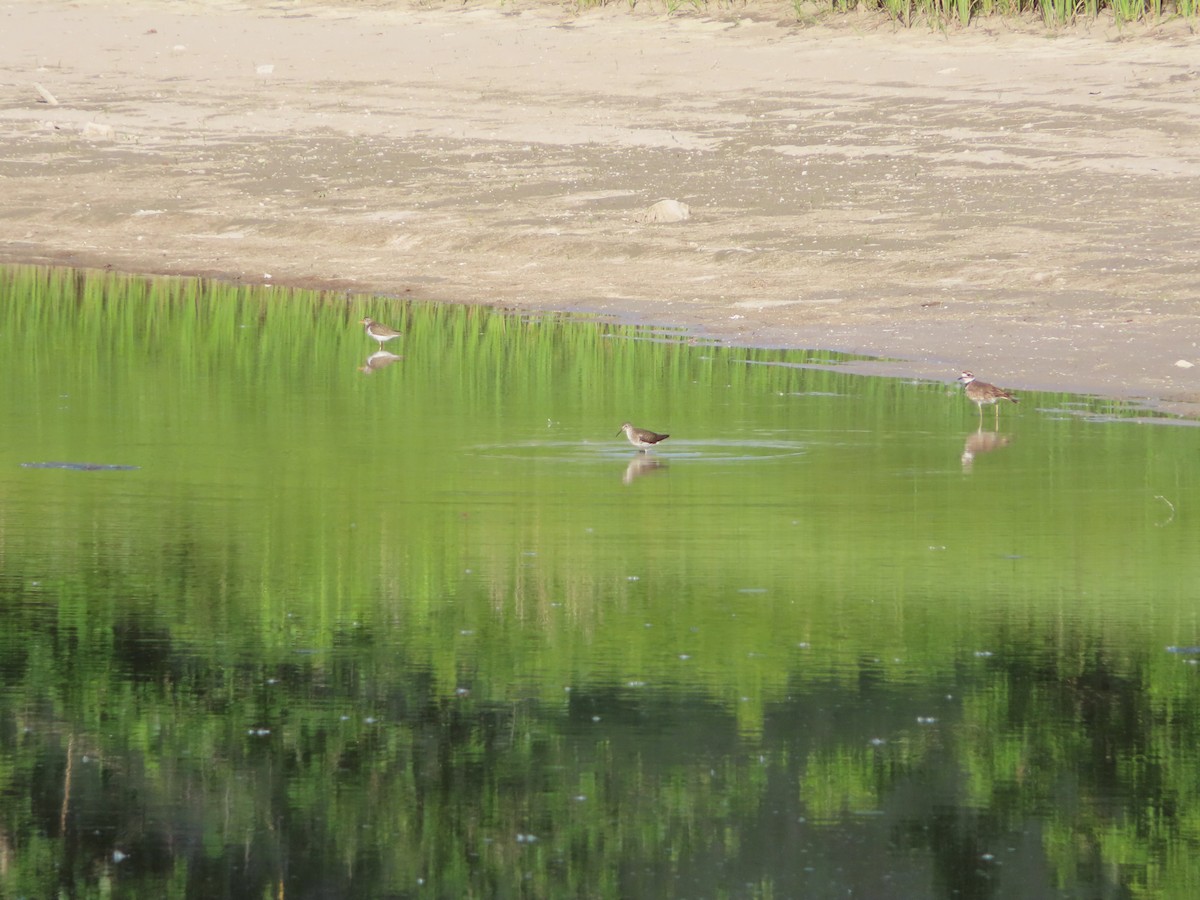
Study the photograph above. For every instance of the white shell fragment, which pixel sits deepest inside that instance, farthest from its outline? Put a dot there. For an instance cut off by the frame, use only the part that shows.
(665, 211)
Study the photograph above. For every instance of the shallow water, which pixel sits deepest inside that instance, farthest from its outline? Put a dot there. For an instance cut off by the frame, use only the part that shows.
(291, 623)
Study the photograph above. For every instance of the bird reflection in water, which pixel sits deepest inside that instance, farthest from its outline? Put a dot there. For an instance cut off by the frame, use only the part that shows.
(380, 359)
(980, 442)
(642, 465)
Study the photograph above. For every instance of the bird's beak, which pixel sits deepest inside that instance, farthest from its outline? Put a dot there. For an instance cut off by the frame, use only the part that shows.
(619, 430)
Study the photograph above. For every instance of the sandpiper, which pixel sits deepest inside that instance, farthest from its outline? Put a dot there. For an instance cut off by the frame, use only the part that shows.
(381, 333)
(981, 393)
(641, 438)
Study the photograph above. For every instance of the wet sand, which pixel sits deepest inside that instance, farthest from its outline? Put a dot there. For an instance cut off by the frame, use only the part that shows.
(1000, 199)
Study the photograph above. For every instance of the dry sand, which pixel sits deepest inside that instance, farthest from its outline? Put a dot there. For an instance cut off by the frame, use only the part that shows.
(1016, 202)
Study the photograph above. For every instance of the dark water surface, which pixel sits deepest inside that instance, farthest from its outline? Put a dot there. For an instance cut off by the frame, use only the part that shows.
(282, 623)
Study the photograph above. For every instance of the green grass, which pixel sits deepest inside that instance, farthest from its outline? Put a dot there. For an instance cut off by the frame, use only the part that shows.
(943, 13)
(940, 13)
(1056, 12)
(899, 10)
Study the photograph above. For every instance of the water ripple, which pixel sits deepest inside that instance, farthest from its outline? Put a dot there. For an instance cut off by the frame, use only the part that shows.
(711, 451)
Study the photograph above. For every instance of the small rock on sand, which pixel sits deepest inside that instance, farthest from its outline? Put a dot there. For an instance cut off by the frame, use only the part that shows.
(665, 211)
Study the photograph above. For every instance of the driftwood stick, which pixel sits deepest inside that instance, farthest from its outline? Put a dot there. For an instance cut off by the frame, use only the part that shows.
(47, 97)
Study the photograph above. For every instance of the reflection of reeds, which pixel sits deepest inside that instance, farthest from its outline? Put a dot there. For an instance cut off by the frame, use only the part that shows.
(319, 609)
(279, 485)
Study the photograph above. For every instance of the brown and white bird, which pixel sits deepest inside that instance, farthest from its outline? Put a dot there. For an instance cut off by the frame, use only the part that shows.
(379, 332)
(983, 394)
(641, 438)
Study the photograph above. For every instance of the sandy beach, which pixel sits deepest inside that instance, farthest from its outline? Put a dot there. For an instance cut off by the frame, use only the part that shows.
(1017, 202)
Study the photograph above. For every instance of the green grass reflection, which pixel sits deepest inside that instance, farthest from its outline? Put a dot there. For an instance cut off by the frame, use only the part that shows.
(420, 629)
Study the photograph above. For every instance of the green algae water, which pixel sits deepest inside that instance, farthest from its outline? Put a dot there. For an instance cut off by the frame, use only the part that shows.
(287, 618)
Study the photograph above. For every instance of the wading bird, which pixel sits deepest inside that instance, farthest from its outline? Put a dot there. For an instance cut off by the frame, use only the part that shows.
(981, 393)
(641, 438)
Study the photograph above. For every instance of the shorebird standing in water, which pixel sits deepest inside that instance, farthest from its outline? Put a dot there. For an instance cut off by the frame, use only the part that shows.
(983, 394)
(379, 332)
(641, 438)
